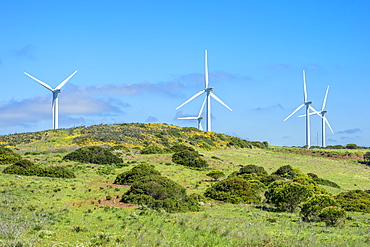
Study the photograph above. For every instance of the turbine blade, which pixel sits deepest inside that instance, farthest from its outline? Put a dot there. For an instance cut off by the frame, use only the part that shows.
(304, 87)
(193, 97)
(41, 82)
(324, 103)
(206, 69)
(291, 114)
(218, 99)
(65, 81)
(187, 118)
(201, 109)
(327, 122)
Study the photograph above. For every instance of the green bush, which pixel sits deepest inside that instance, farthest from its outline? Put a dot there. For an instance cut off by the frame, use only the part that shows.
(233, 190)
(289, 172)
(136, 173)
(189, 158)
(332, 215)
(311, 209)
(181, 147)
(354, 200)
(287, 195)
(93, 154)
(248, 169)
(7, 156)
(158, 192)
(216, 174)
(27, 168)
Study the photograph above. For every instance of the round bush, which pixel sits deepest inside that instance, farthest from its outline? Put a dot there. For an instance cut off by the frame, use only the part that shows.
(7, 156)
(161, 193)
(233, 190)
(189, 158)
(136, 173)
(354, 200)
(248, 169)
(332, 216)
(216, 174)
(57, 172)
(289, 172)
(158, 187)
(311, 209)
(287, 195)
(93, 154)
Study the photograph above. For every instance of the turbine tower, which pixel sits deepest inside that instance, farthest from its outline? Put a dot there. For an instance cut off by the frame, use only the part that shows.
(324, 120)
(55, 92)
(199, 117)
(308, 107)
(209, 94)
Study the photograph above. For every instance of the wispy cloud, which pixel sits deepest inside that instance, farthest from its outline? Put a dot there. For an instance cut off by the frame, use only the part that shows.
(25, 51)
(350, 131)
(151, 119)
(269, 108)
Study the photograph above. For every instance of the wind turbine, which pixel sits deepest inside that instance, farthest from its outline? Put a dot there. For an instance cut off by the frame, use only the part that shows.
(308, 107)
(199, 117)
(55, 92)
(324, 120)
(209, 94)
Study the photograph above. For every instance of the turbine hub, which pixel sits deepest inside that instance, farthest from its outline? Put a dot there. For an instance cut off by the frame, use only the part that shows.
(308, 102)
(209, 89)
(57, 91)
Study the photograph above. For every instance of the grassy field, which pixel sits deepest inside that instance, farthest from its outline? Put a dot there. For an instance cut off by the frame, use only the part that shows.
(85, 211)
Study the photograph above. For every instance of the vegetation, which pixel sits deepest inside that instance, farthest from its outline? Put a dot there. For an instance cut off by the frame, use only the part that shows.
(234, 190)
(136, 173)
(216, 174)
(27, 168)
(354, 200)
(189, 158)
(43, 211)
(93, 154)
(161, 193)
(7, 156)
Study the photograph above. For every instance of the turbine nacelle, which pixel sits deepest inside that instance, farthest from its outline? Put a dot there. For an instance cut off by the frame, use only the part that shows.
(57, 91)
(308, 102)
(209, 89)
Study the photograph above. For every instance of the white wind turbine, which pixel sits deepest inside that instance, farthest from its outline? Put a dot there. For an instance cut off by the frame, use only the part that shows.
(308, 107)
(55, 92)
(199, 117)
(324, 120)
(209, 94)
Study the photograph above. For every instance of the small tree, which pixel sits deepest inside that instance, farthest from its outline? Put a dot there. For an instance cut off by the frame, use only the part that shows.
(215, 174)
(311, 209)
(287, 195)
(332, 216)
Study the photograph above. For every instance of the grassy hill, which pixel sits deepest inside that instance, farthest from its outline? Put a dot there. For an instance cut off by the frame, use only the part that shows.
(86, 210)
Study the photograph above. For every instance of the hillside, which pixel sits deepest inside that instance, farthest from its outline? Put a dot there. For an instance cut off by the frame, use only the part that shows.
(86, 210)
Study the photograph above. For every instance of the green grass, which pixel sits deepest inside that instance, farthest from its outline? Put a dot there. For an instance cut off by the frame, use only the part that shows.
(38, 211)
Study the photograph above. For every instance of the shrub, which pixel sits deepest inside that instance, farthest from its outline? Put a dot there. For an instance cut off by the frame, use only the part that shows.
(233, 190)
(7, 156)
(289, 172)
(367, 158)
(27, 168)
(181, 147)
(93, 154)
(57, 172)
(158, 192)
(311, 209)
(215, 174)
(248, 169)
(189, 158)
(332, 215)
(136, 173)
(287, 195)
(354, 200)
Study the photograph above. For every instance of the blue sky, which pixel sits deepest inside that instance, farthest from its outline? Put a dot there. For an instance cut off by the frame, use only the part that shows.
(138, 60)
